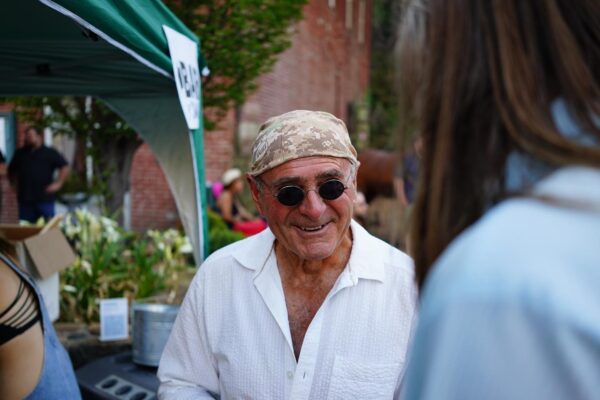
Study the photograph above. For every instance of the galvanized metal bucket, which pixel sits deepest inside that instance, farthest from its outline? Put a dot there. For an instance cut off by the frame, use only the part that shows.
(151, 327)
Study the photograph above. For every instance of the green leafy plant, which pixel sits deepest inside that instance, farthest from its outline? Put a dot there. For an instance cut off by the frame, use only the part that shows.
(240, 40)
(113, 262)
(219, 234)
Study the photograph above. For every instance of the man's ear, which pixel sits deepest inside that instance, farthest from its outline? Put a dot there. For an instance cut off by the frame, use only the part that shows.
(254, 190)
(355, 177)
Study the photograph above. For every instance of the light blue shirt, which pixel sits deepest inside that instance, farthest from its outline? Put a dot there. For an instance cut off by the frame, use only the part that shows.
(511, 309)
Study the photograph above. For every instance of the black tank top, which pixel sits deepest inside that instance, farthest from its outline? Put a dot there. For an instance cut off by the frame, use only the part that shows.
(22, 313)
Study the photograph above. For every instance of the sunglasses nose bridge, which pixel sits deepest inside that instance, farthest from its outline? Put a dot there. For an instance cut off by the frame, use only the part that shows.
(312, 203)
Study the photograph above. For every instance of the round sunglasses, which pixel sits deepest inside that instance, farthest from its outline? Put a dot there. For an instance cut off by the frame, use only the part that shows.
(293, 195)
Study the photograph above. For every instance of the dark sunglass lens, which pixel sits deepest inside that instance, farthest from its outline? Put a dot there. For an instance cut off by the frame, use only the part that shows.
(331, 190)
(290, 195)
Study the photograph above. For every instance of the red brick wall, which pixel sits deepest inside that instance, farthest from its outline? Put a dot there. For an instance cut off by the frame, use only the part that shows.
(219, 148)
(326, 68)
(152, 205)
(10, 211)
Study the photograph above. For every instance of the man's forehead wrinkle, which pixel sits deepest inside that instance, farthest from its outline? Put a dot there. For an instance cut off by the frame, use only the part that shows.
(286, 180)
(299, 179)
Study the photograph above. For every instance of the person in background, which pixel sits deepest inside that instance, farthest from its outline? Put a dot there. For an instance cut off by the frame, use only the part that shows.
(231, 209)
(361, 208)
(32, 171)
(507, 218)
(406, 173)
(33, 363)
(313, 307)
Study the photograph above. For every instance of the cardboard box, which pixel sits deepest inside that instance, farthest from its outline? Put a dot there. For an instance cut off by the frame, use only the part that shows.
(41, 251)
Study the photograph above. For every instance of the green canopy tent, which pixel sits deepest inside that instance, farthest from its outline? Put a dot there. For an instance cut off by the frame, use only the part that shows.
(115, 50)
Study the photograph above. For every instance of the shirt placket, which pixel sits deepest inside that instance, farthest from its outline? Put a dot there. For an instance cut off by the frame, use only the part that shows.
(305, 369)
(268, 284)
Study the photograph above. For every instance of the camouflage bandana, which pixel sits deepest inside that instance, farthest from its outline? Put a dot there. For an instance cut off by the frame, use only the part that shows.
(299, 134)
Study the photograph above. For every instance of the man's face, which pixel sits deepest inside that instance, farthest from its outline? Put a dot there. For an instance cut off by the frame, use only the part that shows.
(314, 228)
(32, 138)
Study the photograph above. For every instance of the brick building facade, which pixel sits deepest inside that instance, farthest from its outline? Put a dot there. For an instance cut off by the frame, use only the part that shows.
(326, 68)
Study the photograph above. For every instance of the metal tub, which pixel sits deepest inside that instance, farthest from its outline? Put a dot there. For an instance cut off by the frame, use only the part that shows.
(151, 326)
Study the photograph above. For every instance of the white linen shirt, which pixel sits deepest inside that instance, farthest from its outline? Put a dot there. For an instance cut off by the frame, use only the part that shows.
(232, 338)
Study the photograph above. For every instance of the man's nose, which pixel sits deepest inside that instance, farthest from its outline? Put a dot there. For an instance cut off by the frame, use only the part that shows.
(312, 205)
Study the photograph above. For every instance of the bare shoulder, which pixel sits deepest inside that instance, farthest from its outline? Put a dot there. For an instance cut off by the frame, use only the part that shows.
(225, 196)
(9, 284)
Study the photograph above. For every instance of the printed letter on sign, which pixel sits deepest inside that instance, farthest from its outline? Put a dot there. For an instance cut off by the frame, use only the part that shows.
(184, 55)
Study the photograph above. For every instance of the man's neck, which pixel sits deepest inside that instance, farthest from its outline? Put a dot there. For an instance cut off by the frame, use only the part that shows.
(294, 269)
(306, 284)
(35, 146)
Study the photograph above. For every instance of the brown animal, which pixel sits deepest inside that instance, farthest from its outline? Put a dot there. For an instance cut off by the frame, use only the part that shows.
(376, 173)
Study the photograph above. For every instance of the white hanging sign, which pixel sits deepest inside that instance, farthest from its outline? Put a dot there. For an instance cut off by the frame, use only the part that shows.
(184, 54)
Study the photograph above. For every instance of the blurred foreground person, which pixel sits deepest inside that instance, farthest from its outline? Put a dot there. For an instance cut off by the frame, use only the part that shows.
(507, 218)
(33, 363)
(313, 307)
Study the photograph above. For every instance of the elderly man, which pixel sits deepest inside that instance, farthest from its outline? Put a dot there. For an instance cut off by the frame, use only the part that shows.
(313, 307)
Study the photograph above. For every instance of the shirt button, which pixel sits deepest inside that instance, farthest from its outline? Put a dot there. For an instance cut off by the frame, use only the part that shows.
(290, 374)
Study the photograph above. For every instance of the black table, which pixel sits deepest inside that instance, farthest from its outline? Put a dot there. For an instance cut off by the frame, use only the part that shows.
(117, 377)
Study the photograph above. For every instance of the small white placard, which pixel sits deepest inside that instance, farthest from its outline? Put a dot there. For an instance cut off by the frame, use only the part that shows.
(113, 319)
(184, 55)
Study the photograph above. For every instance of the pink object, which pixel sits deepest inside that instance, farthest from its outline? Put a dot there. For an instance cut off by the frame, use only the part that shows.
(217, 189)
(249, 228)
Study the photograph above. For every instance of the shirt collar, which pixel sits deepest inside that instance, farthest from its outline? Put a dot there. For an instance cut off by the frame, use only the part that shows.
(256, 250)
(575, 185)
(365, 258)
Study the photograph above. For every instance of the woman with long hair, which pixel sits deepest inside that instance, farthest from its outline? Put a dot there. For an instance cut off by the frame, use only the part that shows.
(506, 228)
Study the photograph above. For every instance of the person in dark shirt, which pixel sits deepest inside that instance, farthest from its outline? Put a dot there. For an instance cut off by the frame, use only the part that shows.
(406, 173)
(31, 171)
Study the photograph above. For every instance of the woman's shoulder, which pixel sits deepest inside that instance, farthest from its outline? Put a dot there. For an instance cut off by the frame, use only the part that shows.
(9, 283)
(224, 199)
(523, 251)
(225, 195)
